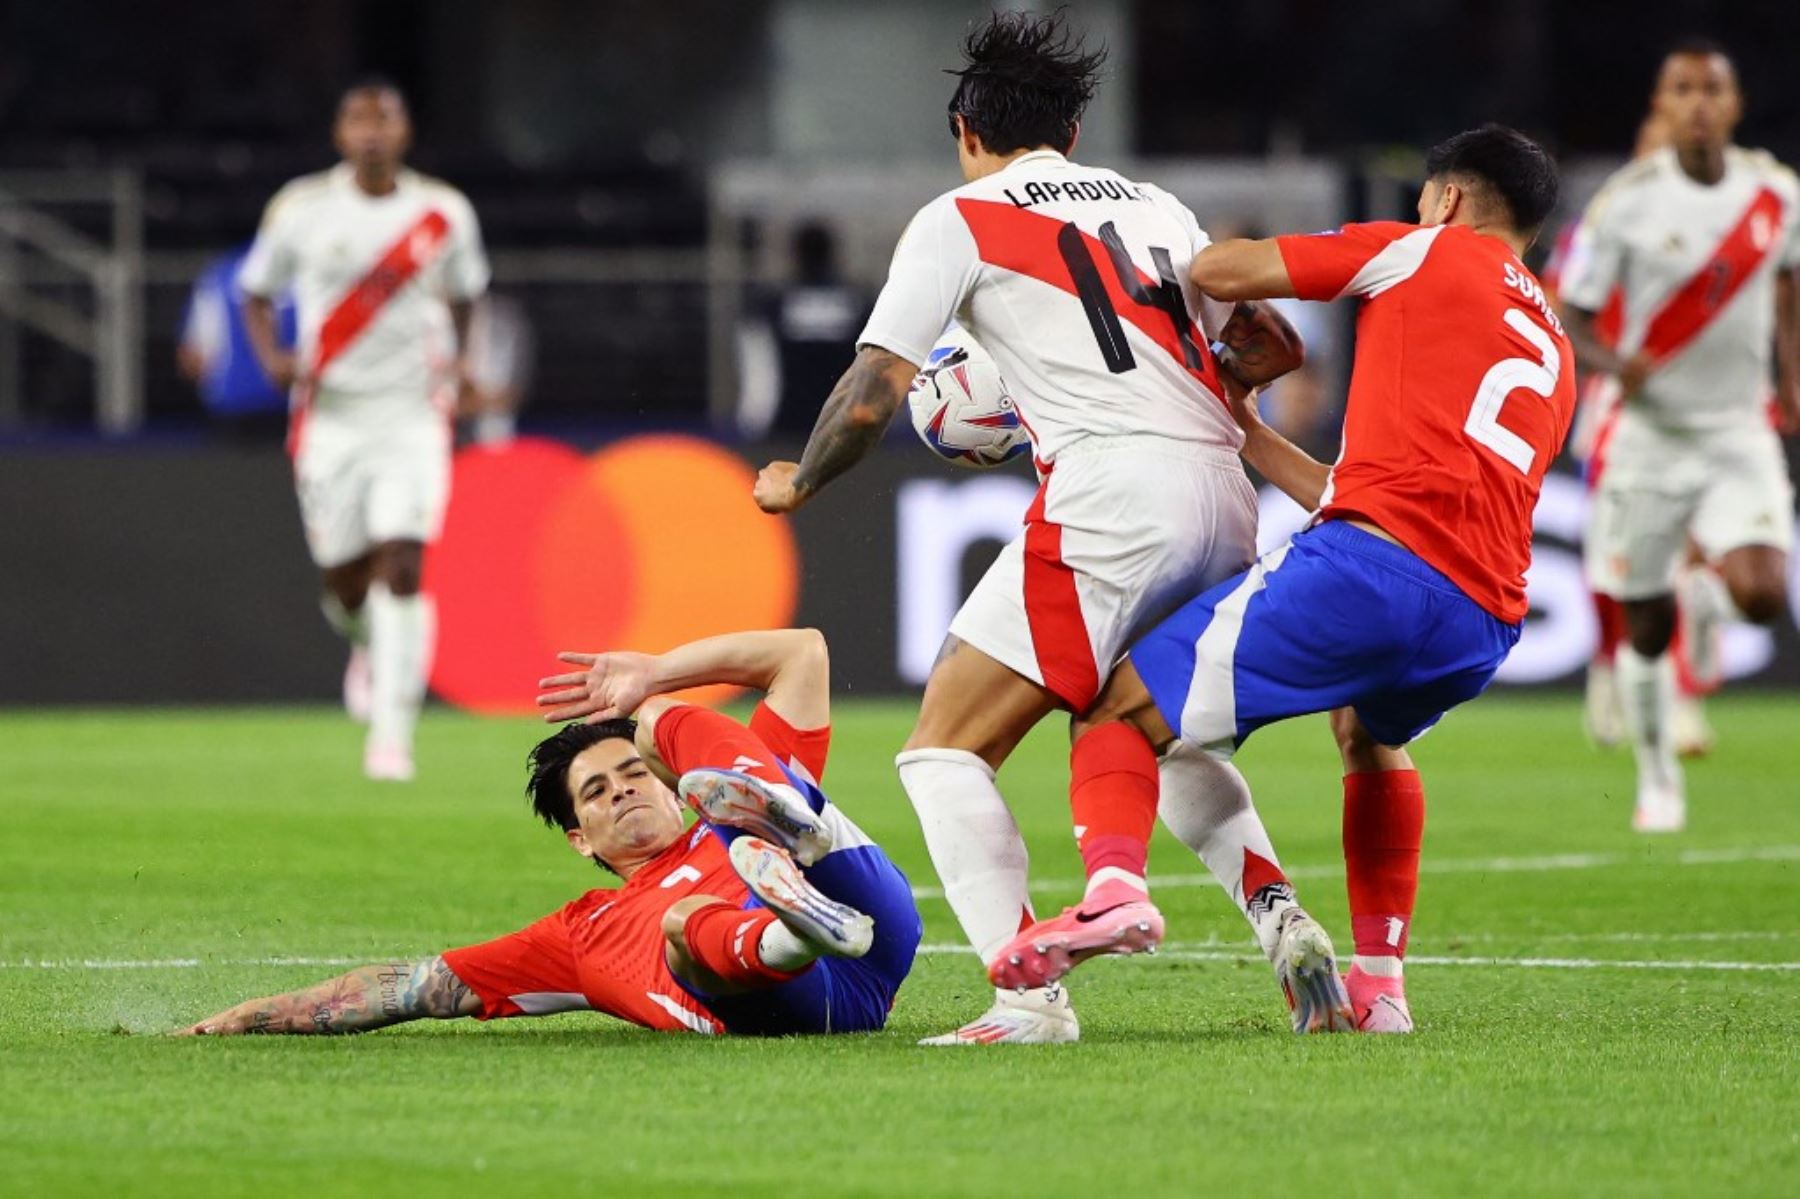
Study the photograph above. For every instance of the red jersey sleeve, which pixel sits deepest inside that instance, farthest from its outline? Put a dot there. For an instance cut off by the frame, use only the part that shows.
(527, 973)
(804, 750)
(1353, 260)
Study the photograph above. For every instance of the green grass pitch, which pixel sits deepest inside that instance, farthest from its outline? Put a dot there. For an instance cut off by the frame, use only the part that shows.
(1599, 1013)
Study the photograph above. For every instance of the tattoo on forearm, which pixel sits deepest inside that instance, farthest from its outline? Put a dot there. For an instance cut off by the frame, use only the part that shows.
(366, 998)
(854, 418)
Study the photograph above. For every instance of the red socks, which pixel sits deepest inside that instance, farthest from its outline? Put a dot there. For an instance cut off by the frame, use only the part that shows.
(1384, 824)
(727, 941)
(1112, 794)
(688, 737)
(1609, 615)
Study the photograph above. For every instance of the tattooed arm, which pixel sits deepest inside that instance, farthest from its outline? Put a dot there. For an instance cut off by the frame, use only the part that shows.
(851, 424)
(366, 998)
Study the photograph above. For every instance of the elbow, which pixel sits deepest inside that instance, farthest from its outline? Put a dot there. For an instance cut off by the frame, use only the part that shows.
(1213, 273)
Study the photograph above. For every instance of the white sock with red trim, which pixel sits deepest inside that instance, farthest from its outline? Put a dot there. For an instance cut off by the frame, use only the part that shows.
(974, 843)
(399, 646)
(1206, 804)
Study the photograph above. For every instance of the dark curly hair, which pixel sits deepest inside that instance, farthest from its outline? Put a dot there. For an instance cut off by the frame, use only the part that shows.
(1027, 80)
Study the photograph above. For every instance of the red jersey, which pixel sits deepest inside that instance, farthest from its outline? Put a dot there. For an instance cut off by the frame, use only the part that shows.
(1462, 393)
(604, 952)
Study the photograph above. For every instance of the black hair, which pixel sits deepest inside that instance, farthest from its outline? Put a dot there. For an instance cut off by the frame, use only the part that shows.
(1699, 47)
(549, 761)
(1502, 166)
(371, 82)
(1026, 81)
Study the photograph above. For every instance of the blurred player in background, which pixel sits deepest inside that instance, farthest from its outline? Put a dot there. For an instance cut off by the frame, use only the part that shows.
(385, 265)
(1075, 280)
(774, 915)
(1408, 590)
(216, 355)
(1701, 239)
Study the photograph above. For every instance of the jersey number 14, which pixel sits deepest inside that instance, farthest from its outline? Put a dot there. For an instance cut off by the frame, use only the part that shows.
(1103, 318)
(1504, 378)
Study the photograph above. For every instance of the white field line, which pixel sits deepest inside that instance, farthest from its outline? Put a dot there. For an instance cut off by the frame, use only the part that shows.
(1509, 865)
(1183, 952)
(1212, 949)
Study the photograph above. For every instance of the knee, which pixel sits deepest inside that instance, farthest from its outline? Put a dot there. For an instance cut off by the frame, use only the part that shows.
(1358, 748)
(402, 567)
(674, 920)
(1650, 625)
(1762, 601)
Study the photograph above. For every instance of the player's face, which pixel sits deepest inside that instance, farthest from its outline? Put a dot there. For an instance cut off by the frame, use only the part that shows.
(372, 128)
(623, 812)
(1697, 99)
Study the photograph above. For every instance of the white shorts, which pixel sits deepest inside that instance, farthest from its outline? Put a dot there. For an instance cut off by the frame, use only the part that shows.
(1727, 488)
(1123, 531)
(361, 484)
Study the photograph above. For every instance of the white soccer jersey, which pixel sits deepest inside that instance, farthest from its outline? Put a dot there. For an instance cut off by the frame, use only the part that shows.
(1697, 266)
(1075, 279)
(372, 277)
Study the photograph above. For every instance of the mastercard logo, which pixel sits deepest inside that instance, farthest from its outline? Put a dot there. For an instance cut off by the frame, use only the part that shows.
(645, 544)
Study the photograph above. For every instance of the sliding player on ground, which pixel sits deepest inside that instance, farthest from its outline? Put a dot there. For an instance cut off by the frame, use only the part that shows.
(1075, 279)
(1702, 238)
(774, 915)
(385, 265)
(1406, 593)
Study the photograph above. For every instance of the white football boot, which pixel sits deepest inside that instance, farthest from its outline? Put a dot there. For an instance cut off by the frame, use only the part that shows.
(384, 763)
(1306, 966)
(829, 926)
(1660, 809)
(1042, 1017)
(773, 811)
(1693, 733)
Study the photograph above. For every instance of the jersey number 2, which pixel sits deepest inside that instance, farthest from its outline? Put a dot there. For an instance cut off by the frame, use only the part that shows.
(1504, 378)
(1102, 316)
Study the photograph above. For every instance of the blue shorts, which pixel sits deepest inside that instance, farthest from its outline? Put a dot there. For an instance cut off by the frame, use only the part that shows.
(1337, 617)
(835, 995)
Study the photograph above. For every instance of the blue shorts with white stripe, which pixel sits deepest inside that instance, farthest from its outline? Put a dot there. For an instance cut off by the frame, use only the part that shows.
(1336, 617)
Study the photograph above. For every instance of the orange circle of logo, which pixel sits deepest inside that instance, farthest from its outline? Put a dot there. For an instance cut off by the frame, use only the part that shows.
(648, 543)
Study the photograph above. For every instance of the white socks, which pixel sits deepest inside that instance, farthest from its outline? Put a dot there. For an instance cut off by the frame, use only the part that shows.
(1647, 691)
(974, 842)
(781, 948)
(399, 649)
(1206, 804)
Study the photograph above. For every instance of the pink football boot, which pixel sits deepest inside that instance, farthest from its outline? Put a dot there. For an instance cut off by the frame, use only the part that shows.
(1379, 1003)
(1116, 918)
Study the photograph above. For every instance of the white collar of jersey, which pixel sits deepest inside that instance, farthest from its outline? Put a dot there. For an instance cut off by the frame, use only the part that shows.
(1035, 156)
(345, 176)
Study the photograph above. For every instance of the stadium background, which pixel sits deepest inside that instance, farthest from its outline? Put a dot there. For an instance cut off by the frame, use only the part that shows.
(644, 234)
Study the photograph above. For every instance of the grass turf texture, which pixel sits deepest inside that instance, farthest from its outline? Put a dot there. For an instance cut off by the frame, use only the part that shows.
(234, 838)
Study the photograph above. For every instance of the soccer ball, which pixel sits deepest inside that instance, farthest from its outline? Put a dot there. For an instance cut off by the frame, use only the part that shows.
(961, 409)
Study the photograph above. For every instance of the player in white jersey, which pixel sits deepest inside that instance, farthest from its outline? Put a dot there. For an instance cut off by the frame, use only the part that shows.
(385, 265)
(1076, 280)
(1702, 240)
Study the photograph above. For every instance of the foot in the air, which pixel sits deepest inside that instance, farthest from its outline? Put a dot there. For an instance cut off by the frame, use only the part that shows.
(773, 811)
(387, 763)
(770, 873)
(1379, 1004)
(1116, 919)
(1660, 809)
(357, 696)
(1692, 732)
(1036, 1018)
(1603, 715)
(1306, 967)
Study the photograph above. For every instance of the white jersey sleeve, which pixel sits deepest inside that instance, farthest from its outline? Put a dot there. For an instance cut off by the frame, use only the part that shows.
(1596, 258)
(270, 267)
(935, 266)
(466, 271)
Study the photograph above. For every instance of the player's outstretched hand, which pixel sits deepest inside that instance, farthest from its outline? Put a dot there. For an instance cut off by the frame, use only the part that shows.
(609, 686)
(775, 491)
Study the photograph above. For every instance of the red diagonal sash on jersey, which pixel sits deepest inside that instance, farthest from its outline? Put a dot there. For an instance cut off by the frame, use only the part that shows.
(1026, 242)
(1687, 313)
(363, 302)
